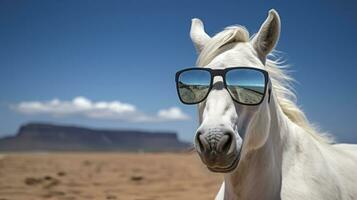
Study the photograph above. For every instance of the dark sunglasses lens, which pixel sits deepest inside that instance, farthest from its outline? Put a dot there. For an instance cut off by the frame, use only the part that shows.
(193, 85)
(246, 85)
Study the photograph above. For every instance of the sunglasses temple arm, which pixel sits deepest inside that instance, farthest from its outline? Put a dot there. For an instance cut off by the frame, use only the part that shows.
(269, 93)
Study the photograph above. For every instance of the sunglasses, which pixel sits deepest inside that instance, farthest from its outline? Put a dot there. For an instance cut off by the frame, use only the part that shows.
(246, 85)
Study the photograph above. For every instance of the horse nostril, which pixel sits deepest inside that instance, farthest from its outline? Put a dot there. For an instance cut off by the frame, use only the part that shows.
(225, 143)
(198, 134)
(202, 142)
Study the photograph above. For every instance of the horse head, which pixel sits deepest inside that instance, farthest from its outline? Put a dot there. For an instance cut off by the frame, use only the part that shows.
(228, 130)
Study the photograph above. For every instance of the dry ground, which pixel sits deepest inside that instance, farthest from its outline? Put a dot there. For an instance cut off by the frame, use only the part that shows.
(114, 176)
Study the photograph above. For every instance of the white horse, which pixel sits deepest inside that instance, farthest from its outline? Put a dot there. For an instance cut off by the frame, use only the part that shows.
(274, 152)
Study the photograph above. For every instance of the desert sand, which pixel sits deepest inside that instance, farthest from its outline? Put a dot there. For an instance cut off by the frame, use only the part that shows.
(114, 176)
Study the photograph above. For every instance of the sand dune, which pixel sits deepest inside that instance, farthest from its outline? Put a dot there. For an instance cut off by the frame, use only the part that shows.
(112, 176)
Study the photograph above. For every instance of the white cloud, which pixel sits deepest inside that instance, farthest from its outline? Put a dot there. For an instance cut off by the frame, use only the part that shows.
(172, 113)
(81, 106)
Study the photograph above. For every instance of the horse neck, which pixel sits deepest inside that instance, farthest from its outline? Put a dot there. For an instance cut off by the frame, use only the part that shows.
(258, 175)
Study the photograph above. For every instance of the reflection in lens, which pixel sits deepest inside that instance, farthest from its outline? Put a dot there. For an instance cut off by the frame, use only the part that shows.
(193, 85)
(246, 85)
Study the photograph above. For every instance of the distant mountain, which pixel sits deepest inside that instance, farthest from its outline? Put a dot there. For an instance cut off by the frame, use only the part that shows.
(49, 137)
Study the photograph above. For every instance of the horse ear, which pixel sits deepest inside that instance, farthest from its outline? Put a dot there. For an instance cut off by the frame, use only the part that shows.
(267, 37)
(198, 35)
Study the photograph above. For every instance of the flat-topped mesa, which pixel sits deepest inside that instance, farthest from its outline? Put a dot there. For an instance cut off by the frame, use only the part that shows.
(50, 137)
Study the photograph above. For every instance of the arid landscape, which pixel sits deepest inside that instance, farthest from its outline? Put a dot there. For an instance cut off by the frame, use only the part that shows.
(114, 176)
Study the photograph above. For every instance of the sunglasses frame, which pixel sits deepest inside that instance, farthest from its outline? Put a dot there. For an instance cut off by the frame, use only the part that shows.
(222, 73)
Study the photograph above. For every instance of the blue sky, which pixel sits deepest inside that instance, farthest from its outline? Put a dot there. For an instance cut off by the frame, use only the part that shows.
(123, 55)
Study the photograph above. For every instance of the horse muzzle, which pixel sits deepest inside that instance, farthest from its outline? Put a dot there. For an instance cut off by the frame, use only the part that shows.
(218, 149)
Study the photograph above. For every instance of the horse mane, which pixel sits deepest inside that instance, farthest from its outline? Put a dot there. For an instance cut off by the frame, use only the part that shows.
(281, 80)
